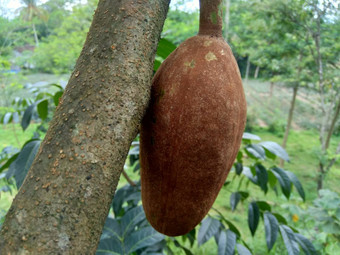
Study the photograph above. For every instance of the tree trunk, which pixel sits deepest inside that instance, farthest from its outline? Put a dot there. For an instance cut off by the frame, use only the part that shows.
(35, 35)
(64, 201)
(320, 177)
(257, 70)
(226, 19)
(271, 89)
(289, 121)
(331, 128)
(247, 69)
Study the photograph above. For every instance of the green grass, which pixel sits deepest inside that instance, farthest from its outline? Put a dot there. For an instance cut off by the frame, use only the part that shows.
(13, 135)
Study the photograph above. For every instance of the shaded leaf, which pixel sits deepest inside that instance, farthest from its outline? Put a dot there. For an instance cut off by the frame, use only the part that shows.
(289, 240)
(255, 151)
(131, 219)
(23, 162)
(275, 149)
(238, 168)
(142, 238)
(242, 250)
(271, 227)
(253, 217)
(226, 242)
(306, 245)
(234, 199)
(26, 119)
(297, 184)
(283, 179)
(250, 136)
(262, 177)
(109, 246)
(112, 229)
(208, 228)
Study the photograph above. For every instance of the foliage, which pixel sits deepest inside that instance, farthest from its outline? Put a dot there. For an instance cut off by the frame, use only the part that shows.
(321, 221)
(68, 39)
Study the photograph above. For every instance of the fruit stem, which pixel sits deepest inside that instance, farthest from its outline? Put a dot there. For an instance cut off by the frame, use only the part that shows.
(211, 18)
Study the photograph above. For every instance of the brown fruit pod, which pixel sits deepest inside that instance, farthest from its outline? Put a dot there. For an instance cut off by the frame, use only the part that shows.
(192, 130)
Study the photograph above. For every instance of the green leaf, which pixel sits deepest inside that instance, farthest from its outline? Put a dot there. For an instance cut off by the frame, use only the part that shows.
(42, 108)
(9, 162)
(297, 184)
(23, 162)
(165, 47)
(289, 240)
(306, 245)
(253, 217)
(231, 242)
(262, 177)
(191, 236)
(242, 250)
(271, 227)
(7, 118)
(283, 179)
(56, 97)
(250, 136)
(156, 65)
(26, 119)
(232, 227)
(234, 199)
(275, 149)
(247, 172)
(255, 151)
(280, 218)
(209, 227)
(272, 180)
(142, 238)
(263, 206)
(177, 244)
(226, 243)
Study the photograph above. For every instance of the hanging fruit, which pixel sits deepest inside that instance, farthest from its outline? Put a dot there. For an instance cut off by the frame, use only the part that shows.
(192, 130)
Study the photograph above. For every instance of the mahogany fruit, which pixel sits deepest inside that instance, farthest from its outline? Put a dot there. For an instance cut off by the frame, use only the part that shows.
(192, 129)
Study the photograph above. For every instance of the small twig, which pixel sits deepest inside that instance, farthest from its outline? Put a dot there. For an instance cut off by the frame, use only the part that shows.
(15, 134)
(131, 182)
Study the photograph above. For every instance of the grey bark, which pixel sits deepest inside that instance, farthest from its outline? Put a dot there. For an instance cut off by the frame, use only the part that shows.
(289, 120)
(271, 89)
(35, 35)
(257, 70)
(247, 69)
(64, 201)
(226, 19)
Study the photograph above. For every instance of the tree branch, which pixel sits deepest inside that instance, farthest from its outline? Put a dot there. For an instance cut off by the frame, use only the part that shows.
(64, 201)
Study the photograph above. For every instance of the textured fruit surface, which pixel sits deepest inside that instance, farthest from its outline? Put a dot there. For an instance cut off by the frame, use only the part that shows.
(191, 133)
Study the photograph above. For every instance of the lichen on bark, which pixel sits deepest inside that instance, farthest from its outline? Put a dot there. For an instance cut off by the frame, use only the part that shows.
(64, 200)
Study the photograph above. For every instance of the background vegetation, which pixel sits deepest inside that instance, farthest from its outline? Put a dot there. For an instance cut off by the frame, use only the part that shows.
(288, 54)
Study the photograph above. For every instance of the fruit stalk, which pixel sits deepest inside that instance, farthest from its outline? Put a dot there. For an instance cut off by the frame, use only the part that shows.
(210, 18)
